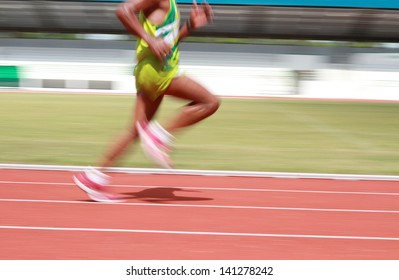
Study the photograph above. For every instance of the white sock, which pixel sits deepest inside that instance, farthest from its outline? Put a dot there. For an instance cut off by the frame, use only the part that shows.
(97, 176)
(161, 132)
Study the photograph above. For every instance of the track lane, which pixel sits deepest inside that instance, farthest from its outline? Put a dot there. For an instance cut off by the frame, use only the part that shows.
(28, 244)
(186, 216)
(209, 196)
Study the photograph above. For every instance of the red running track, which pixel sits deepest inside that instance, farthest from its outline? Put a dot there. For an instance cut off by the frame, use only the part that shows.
(44, 216)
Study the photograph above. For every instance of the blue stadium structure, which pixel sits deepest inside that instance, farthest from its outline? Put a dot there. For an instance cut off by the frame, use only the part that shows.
(349, 20)
(373, 4)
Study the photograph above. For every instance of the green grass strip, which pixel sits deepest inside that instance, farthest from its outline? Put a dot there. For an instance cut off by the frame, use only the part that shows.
(276, 135)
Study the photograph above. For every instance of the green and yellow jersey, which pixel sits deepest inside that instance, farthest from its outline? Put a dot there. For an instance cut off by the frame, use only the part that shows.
(154, 76)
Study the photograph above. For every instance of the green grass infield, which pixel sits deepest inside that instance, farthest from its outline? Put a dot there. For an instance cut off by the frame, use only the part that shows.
(276, 135)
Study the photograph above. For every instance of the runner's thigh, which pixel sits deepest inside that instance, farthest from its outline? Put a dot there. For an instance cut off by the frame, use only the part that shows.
(186, 88)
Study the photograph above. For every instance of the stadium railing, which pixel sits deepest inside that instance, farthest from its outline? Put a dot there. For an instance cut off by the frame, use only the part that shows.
(374, 4)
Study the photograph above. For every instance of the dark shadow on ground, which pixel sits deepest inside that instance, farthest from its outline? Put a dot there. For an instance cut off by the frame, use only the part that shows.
(159, 195)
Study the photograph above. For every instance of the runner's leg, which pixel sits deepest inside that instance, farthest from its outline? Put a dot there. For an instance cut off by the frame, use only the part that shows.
(144, 111)
(202, 106)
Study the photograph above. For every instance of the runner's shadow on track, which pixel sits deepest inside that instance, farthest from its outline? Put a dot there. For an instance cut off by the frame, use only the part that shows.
(159, 195)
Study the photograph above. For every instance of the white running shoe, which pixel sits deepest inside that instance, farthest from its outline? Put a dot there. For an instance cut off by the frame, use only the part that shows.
(156, 143)
(95, 184)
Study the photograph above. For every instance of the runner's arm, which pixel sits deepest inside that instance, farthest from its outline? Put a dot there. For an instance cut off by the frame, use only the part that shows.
(126, 13)
(199, 17)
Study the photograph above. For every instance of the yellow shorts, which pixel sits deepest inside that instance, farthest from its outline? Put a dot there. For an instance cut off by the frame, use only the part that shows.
(152, 78)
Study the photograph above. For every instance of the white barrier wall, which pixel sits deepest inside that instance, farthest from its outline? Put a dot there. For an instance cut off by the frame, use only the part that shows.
(352, 84)
(243, 81)
(222, 80)
(226, 73)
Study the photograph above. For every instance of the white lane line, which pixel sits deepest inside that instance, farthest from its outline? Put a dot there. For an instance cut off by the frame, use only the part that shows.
(36, 183)
(223, 173)
(212, 188)
(205, 206)
(201, 233)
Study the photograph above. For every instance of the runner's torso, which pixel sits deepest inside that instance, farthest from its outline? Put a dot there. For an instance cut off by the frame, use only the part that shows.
(168, 30)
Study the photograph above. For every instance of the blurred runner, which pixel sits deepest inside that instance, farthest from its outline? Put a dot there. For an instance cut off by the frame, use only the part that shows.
(157, 74)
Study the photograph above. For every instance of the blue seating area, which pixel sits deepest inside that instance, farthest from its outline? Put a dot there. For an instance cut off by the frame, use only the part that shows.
(345, 20)
(372, 4)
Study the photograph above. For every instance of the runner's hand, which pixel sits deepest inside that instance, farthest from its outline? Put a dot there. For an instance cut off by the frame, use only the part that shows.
(159, 48)
(200, 15)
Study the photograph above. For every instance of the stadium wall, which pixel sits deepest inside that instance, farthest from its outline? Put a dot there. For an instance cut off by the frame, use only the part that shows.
(227, 70)
(375, 4)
